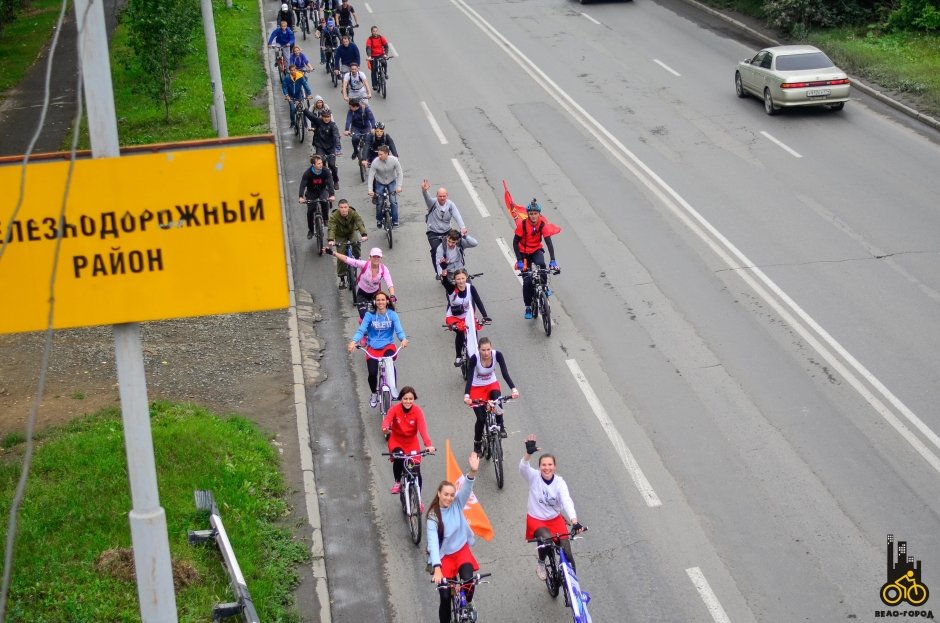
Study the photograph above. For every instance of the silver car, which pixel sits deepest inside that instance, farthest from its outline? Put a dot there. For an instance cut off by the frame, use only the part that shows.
(792, 75)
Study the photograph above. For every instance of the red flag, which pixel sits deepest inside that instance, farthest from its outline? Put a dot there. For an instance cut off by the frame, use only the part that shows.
(516, 211)
(473, 511)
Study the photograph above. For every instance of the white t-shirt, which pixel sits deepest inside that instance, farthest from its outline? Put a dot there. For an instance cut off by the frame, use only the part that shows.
(546, 500)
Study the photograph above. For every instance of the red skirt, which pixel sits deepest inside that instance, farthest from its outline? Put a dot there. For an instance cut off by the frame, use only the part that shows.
(380, 352)
(555, 526)
(450, 563)
(482, 392)
(460, 324)
(407, 445)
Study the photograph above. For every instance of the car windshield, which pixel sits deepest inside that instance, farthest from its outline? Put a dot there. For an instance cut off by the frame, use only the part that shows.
(812, 60)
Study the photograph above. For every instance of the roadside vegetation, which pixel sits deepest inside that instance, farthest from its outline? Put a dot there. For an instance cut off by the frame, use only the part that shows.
(25, 29)
(72, 552)
(894, 44)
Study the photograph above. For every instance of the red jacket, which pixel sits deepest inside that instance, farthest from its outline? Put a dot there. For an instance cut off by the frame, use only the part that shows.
(530, 237)
(376, 46)
(405, 427)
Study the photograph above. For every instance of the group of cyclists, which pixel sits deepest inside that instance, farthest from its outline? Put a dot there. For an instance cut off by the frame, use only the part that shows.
(450, 538)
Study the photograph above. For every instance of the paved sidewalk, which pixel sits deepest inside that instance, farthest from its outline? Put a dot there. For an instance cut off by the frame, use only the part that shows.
(19, 111)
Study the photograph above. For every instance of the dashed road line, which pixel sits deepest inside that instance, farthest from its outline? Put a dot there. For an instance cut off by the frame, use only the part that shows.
(433, 122)
(470, 189)
(588, 17)
(507, 253)
(708, 595)
(368, 8)
(667, 68)
(781, 145)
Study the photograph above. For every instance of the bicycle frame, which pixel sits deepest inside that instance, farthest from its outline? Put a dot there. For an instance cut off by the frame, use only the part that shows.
(386, 372)
(460, 609)
(575, 598)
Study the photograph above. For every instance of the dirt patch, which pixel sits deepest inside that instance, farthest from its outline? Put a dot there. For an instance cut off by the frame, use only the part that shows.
(119, 564)
(234, 363)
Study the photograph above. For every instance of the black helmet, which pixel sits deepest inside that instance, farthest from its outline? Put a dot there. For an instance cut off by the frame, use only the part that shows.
(379, 126)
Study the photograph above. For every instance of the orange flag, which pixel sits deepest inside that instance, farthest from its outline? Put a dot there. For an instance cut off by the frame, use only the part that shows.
(516, 211)
(473, 511)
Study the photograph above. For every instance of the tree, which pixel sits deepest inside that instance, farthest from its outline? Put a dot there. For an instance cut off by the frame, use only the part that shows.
(161, 33)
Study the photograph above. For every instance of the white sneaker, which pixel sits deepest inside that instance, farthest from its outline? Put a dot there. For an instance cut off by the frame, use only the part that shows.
(458, 361)
(374, 401)
(541, 571)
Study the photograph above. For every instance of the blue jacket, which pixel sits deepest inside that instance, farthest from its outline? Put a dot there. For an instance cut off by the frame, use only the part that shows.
(299, 61)
(381, 329)
(346, 55)
(361, 121)
(457, 532)
(296, 89)
(283, 37)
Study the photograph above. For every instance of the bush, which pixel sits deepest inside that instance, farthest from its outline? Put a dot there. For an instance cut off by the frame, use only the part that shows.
(915, 15)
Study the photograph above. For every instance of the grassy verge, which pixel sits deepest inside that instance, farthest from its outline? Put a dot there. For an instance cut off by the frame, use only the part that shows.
(76, 510)
(23, 38)
(141, 119)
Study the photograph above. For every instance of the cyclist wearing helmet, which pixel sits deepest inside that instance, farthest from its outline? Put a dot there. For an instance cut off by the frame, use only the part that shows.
(359, 123)
(374, 141)
(527, 244)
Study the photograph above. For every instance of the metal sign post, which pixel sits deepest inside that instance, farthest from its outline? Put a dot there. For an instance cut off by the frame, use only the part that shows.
(215, 73)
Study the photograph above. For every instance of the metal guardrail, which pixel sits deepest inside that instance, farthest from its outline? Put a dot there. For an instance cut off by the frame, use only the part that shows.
(243, 605)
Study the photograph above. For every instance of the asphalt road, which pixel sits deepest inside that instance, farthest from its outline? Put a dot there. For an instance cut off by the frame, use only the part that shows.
(752, 301)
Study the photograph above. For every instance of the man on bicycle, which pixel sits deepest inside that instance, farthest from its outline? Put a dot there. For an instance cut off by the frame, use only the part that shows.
(355, 84)
(440, 212)
(286, 15)
(342, 227)
(449, 256)
(359, 123)
(316, 183)
(385, 175)
(375, 140)
(346, 54)
(300, 7)
(283, 38)
(346, 16)
(527, 244)
(295, 88)
(326, 142)
(328, 34)
(376, 51)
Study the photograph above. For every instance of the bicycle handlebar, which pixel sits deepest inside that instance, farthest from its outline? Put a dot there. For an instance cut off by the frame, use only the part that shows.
(555, 537)
(402, 455)
(474, 580)
(453, 327)
(499, 401)
(554, 271)
(371, 356)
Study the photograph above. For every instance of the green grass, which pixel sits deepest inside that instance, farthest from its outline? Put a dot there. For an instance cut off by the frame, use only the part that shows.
(903, 62)
(141, 119)
(23, 38)
(78, 498)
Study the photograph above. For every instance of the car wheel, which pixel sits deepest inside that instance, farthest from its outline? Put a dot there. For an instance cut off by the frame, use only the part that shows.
(769, 107)
(739, 85)
(837, 106)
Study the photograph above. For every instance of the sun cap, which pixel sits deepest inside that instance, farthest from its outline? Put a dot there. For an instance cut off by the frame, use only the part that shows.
(375, 252)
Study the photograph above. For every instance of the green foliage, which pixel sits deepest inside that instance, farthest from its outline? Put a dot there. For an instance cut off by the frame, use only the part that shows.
(796, 16)
(25, 29)
(77, 502)
(161, 34)
(923, 15)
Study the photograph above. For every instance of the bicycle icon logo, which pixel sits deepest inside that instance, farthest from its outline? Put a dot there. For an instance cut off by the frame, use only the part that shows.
(907, 585)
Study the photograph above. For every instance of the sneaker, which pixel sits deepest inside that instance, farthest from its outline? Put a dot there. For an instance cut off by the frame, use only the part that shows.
(378, 224)
(395, 224)
(437, 277)
(374, 401)
(336, 185)
(502, 432)
(548, 291)
(458, 361)
(354, 155)
(342, 283)
(396, 488)
(309, 234)
(528, 312)
(541, 571)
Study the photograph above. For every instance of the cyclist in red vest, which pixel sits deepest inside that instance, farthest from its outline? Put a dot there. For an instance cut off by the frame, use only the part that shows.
(376, 48)
(527, 244)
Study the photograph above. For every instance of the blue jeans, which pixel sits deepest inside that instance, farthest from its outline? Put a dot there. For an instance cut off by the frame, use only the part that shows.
(290, 102)
(392, 199)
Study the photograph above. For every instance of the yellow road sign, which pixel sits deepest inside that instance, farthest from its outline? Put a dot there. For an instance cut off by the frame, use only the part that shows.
(187, 231)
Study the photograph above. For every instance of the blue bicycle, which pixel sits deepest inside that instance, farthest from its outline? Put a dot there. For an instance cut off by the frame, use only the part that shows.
(559, 574)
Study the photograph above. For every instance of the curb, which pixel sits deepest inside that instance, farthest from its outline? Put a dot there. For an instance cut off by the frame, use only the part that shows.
(856, 83)
(317, 552)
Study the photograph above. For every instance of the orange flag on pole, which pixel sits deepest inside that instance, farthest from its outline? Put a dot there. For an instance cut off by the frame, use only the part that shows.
(516, 211)
(473, 511)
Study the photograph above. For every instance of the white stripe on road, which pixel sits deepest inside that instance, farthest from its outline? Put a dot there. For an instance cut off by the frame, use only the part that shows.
(667, 68)
(507, 253)
(626, 457)
(368, 8)
(470, 189)
(708, 595)
(391, 48)
(433, 122)
(791, 313)
(588, 17)
(781, 145)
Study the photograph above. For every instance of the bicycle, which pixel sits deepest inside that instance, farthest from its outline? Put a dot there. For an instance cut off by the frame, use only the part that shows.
(410, 491)
(351, 276)
(462, 611)
(302, 21)
(318, 229)
(359, 147)
(540, 293)
(464, 360)
(347, 31)
(329, 52)
(279, 62)
(892, 593)
(386, 372)
(300, 121)
(381, 75)
(559, 575)
(385, 209)
(492, 443)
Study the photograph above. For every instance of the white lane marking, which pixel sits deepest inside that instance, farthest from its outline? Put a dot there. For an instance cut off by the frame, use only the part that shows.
(368, 8)
(433, 122)
(626, 457)
(391, 48)
(470, 189)
(781, 145)
(708, 595)
(667, 68)
(726, 251)
(588, 17)
(507, 253)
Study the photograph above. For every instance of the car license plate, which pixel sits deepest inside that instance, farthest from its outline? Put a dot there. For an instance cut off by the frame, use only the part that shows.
(818, 92)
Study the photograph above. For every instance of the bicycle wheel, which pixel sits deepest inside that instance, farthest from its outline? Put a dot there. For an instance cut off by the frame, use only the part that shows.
(551, 573)
(383, 86)
(318, 230)
(497, 452)
(546, 312)
(386, 401)
(414, 519)
(536, 299)
(301, 122)
(464, 364)
(387, 213)
(362, 168)
(333, 76)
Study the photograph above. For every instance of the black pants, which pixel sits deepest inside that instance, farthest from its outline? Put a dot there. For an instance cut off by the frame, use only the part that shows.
(373, 366)
(480, 424)
(543, 533)
(460, 338)
(311, 207)
(533, 259)
(363, 300)
(329, 159)
(435, 239)
(466, 574)
(378, 64)
(398, 468)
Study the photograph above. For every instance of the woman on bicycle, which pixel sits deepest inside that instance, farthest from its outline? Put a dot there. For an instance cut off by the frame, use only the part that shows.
(372, 273)
(548, 497)
(459, 298)
(450, 537)
(482, 384)
(299, 60)
(402, 425)
(379, 327)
